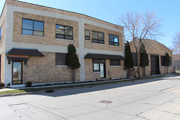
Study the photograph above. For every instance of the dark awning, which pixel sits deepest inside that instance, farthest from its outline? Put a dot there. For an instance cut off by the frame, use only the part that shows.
(26, 52)
(104, 56)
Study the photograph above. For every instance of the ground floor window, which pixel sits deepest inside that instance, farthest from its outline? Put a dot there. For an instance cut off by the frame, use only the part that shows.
(96, 64)
(61, 58)
(115, 62)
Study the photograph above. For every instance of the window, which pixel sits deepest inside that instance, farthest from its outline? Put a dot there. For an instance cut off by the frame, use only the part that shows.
(61, 58)
(163, 60)
(134, 59)
(0, 33)
(113, 40)
(115, 62)
(64, 32)
(87, 35)
(97, 37)
(170, 61)
(96, 64)
(32, 27)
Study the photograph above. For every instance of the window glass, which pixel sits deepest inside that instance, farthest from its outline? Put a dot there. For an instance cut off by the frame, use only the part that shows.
(134, 59)
(115, 62)
(27, 24)
(163, 60)
(97, 37)
(61, 58)
(87, 35)
(64, 32)
(32, 27)
(0, 33)
(113, 40)
(96, 67)
(38, 26)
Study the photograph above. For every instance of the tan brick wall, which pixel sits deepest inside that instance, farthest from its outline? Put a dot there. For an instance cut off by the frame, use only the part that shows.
(49, 30)
(3, 33)
(154, 47)
(44, 70)
(111, 72)
(2, 66)
(88, 43)
(59, 11)
(89, 74)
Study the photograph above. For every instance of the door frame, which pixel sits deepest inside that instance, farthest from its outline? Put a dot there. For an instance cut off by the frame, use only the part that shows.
(155, 55)
(104, 64)
(21, 71)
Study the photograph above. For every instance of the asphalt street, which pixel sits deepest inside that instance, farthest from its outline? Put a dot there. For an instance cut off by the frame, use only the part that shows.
(155, 99)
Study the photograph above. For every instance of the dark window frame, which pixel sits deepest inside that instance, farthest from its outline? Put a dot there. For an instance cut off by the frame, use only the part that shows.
(1, 33)
(64, 35)
(113, 64)
(98, 40)
(87, 37)
(97, 61)
(56, 57)
(113, 43)
(32, 28)
(163, 60)
(134, 55)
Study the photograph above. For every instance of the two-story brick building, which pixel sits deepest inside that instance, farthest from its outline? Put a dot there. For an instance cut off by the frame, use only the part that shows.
(34, 42)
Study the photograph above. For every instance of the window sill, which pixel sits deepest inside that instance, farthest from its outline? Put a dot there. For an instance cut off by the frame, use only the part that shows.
(96, 72)
(63, 39)
(115, 66)
(33, 36)
(61, 66)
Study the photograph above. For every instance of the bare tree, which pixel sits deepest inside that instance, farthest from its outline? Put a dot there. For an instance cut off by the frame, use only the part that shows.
(176, 43)
(140, 27)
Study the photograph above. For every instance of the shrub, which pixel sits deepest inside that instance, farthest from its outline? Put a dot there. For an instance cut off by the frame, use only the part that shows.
(29, 84)
(2, 84)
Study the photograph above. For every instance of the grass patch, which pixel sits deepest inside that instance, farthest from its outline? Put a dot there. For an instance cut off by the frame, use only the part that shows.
(11, 92)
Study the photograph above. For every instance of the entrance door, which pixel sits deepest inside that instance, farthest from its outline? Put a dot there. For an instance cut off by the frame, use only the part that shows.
(17, 73)
(154, 65)
(102, 70)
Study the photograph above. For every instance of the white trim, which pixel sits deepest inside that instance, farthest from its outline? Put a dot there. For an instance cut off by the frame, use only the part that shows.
(61, 66)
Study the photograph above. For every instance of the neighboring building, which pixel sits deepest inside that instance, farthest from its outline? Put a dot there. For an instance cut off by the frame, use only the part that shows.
(156, 54)
(34, 42)
(176, 59)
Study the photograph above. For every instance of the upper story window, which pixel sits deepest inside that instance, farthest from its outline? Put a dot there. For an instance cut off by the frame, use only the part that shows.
(64, 32)
(32, 27)
(87, 34)
(113, 40)
(97, 37)
(0, 33)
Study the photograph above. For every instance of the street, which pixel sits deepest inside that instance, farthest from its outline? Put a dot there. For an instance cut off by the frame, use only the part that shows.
(156, 99)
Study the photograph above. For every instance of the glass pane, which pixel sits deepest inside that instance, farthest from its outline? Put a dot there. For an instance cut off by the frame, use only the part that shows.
(17, 73)
(95, 41)
(100, 36)
(69, 37)
(27, 32)
(27, 24)
(87, 38)
(101, 41)
(116, 39)
(117, 44)
(96, 66)
(37, 33)
(87, 33)
(94, 35)
(111, 38)
(68, 30)
(60, 29)
(39, 26)
(60, 36)
(101, 70)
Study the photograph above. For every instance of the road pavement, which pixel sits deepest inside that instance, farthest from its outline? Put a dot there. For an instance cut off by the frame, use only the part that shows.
(155, 99)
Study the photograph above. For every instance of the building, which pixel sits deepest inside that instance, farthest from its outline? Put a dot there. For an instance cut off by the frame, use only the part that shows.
(156, 54)
(34, 42)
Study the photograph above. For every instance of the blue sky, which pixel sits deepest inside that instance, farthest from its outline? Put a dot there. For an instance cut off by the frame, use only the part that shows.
(110, 10)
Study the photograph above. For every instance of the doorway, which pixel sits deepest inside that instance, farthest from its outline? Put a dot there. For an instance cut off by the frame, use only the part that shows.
(17, 72)
(102, 70)
(155, 64)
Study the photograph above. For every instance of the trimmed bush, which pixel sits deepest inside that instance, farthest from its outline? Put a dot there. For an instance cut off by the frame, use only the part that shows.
(29, 84)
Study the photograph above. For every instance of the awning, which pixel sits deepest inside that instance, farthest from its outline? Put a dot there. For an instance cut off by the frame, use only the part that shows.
(103, 56)
(25, 52)
(22, 54)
